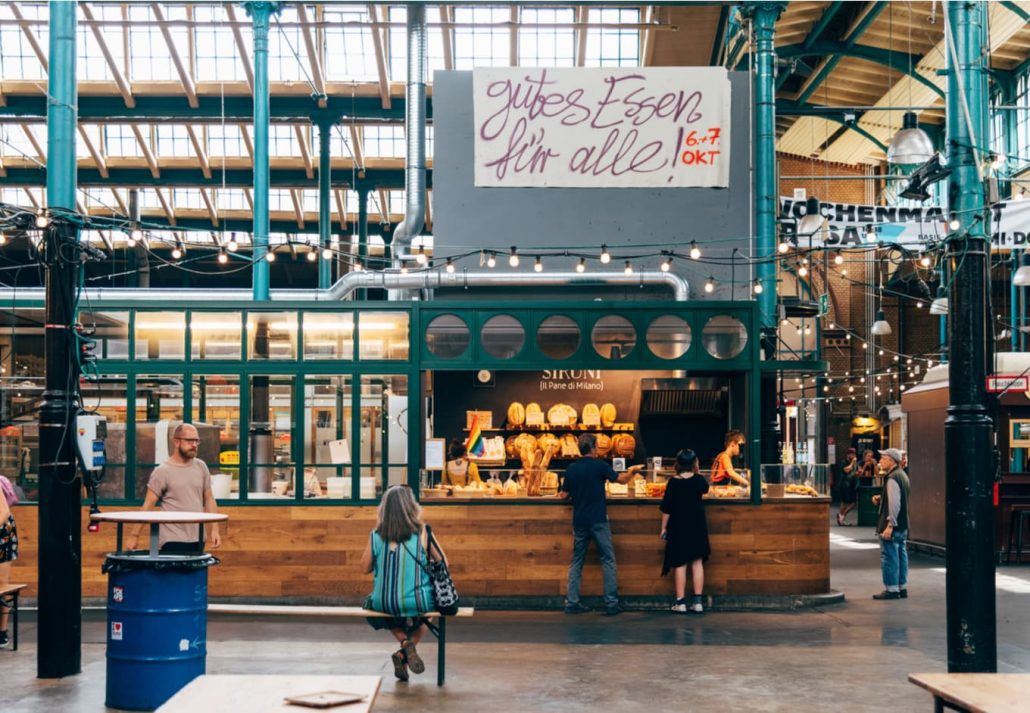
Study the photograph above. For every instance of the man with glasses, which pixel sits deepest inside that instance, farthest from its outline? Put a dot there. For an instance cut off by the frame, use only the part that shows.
(181, 484)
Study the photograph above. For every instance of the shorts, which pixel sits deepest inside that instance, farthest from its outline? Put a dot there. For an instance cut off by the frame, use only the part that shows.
(8, 541)
(849, 492)
(409, 624)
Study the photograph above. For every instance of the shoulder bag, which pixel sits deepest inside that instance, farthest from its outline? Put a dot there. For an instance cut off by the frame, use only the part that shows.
(445, 594)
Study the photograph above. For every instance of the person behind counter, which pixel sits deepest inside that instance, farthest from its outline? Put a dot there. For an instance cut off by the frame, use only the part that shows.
(584, 485)
(460, 471)
(685, 531)
(723, 472)
(398, 554)
(869, 469)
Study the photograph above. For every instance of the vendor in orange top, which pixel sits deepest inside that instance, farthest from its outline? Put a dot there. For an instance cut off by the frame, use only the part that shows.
(723, 472)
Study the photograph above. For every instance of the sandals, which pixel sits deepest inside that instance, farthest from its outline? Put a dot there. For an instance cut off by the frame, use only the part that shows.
(400, 666)
(840, 520)
(415, 662)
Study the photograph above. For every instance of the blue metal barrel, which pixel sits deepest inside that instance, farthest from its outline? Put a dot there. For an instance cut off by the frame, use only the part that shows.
(156, 627)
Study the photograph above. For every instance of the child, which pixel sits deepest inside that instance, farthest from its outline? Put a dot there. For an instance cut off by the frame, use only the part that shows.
(723, 472)
(685, 530)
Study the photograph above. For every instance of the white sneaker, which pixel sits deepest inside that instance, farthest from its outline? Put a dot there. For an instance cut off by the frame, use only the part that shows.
(697, 608)
(679, 608)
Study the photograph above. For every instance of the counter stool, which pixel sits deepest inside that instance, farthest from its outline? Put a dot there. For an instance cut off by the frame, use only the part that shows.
(1020, 515)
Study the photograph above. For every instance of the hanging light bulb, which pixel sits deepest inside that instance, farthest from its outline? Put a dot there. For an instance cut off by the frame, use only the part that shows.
(929, 363)
(357, 266)
(813, 220)
(802, 271)
(925, 261)
(42, 220)
(851, 389)
(130, 241)
(1022, 276)
(940, 305)
(881, 352)
(911, 145)
(3, 239)
(450, 265)
(538, 266)
(710, 285)
(605, 255)
(756, 287)
(881, 326)
(870, 233)
(176, 252)
(334, 242)
(1018, 196)
(222, 257)
(421, 258)
(629, 268)
(808, 331)
(695, 251)
(954, 223)
(513, 259)
(404, 269)
(838, 259)
(312, 255)
(783, 247)
(327, 254)
(491, 260)
(843, 272)
(667, 265)
(581, 266)
(270, 256)
(919, 304)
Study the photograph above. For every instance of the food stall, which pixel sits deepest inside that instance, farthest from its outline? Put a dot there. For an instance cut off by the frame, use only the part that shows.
(311, 410)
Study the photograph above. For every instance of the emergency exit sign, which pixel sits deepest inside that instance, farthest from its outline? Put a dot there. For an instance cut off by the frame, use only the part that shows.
(824, 304)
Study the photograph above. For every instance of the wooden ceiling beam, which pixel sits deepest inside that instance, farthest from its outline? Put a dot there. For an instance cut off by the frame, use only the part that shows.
(582, 16)
(247, 140)
(36, 146)
(148, 154)
(210, 206)
(32, 197)
(313, 57)
(33, 41)
(513, 37)
(250, 198)
(305, 150)
(198, 148)
(120, 201)
(447, 33)
(98, 158)
(647, 40)
(341, 210)
(357, 146)
(116, 72)
(380, 52)
(166, 206)
(297, 209)
(384, 204)
(184, 75)
(237, 34)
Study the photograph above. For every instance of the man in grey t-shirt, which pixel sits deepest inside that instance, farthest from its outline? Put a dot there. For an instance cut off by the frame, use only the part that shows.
(181, 484)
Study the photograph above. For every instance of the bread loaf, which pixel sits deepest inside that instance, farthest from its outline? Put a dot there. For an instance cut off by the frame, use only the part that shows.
(516, 414)
(608, 415)
(624, 445)
(533, 409)
(570, 446)
(546, 441)
(591, 414)
(604, 444)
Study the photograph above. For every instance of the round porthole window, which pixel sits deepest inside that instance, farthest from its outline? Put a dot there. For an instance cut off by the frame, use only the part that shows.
(503, 336)
(558, 337)
(668, 337)
(613, 337)
(724, 336)
(447, 336)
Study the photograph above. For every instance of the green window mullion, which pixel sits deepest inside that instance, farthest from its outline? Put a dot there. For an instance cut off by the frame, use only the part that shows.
(130, 436)
(297, 435)
(244, 430)
(355, 429)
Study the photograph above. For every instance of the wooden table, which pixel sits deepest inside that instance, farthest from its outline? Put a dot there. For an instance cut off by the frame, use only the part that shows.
(258, 694)
(156, 518)
(976, 692)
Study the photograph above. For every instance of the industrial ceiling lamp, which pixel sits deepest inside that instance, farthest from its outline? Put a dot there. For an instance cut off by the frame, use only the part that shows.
(881, 326)
(813, 221)
(911, 145)
(1022, 276)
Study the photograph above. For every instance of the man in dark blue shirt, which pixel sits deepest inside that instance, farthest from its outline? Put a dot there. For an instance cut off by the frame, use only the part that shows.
(584, 485)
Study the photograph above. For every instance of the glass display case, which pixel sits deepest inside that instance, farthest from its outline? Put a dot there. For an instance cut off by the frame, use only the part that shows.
(810, 480)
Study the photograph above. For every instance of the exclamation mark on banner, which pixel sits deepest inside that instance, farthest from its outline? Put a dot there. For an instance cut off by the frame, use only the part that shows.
(676, 152)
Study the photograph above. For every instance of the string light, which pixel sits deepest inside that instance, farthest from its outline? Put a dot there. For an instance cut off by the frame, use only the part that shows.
(581, 266)
(667, 265)
(327, 254)
(404, 269)
(756, 287)
(357, 266)
(176, 252)
(538, 266)
(710, 285)
(513, 259)
(131, 241)
(232, 246)
(802, 271)
(838, 259)
(954, 223)
(491, 261)
(925, 261)
(605, 255)
(3, 239)
(629, 268)
(450, 265)
(312, 255)
(695, 251)
(421, 257)
(222, 257)
(783, 247)
(270, 256)
(42, 220)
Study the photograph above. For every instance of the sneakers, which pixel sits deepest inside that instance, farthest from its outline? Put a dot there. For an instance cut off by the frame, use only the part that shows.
(400, 666)
(697, 608)
(4, 640)
(889, 595)
(577, 608)
(614, 611)
(904, 593)
(680, 607)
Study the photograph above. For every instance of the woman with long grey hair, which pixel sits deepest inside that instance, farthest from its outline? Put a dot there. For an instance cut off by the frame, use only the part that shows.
(398, 553)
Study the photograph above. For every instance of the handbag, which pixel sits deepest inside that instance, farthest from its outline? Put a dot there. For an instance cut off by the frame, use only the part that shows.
(445, 594)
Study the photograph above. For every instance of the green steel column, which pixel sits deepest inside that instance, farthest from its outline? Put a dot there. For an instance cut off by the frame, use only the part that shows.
(261, 13)
(362, 245)
(60, 547)
(968, 429)
(324, 200)
(763, 16)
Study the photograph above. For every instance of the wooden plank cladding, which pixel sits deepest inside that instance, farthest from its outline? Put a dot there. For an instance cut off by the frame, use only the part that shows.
(309, 554)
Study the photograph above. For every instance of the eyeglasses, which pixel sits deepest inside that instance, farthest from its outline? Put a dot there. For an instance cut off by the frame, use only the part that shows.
(188, 440)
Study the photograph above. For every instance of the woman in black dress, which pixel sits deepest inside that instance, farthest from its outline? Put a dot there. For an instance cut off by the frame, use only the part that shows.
(685, 530)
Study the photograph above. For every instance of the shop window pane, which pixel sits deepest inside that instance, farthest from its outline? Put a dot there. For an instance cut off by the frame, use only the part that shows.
(159, 410)
(327, 437)
(384, 433)
(447, 336)
(216, 405)
(112, 332)
(270, 438)
(108, 396)
(668, 337)
(558, 337)
(503, 336)
(216, 335)
(160, 335)
(613, 337)
(383, 335)
(328, 336)
(272, 335)
(724, 336)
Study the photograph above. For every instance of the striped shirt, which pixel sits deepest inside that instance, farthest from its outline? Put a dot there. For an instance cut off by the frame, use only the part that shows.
(401, 587)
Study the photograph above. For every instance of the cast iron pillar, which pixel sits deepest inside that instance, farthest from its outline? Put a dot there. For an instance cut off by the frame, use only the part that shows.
(60, 547)
(325, 129)
(261, 13)
(968, 430)
(763, 16)
(362, 247)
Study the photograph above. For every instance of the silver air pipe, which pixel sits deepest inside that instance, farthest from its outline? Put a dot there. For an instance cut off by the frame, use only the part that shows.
(415, 135)
(388, 279)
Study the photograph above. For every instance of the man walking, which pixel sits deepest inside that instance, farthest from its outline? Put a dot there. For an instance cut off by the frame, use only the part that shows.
(584, 485)
(181, 484)
(892, 526)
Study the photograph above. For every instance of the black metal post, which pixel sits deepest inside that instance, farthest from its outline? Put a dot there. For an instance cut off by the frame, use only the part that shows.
(968, 430)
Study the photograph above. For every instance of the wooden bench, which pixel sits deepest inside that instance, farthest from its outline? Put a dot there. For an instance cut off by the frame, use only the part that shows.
(976, 692)
(439, 629)
(9, 594)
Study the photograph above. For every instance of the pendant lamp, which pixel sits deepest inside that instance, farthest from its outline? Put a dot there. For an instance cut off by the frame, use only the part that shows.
(911, 145)
(940, 305)
(881, 326)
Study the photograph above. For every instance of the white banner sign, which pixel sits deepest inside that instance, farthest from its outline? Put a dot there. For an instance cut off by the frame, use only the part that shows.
(602, 128)
(913, 228)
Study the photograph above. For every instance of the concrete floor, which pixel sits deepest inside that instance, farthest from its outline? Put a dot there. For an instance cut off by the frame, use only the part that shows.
(828, 659)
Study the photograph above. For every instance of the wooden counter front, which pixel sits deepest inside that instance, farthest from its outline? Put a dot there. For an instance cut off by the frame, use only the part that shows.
(310, 554)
